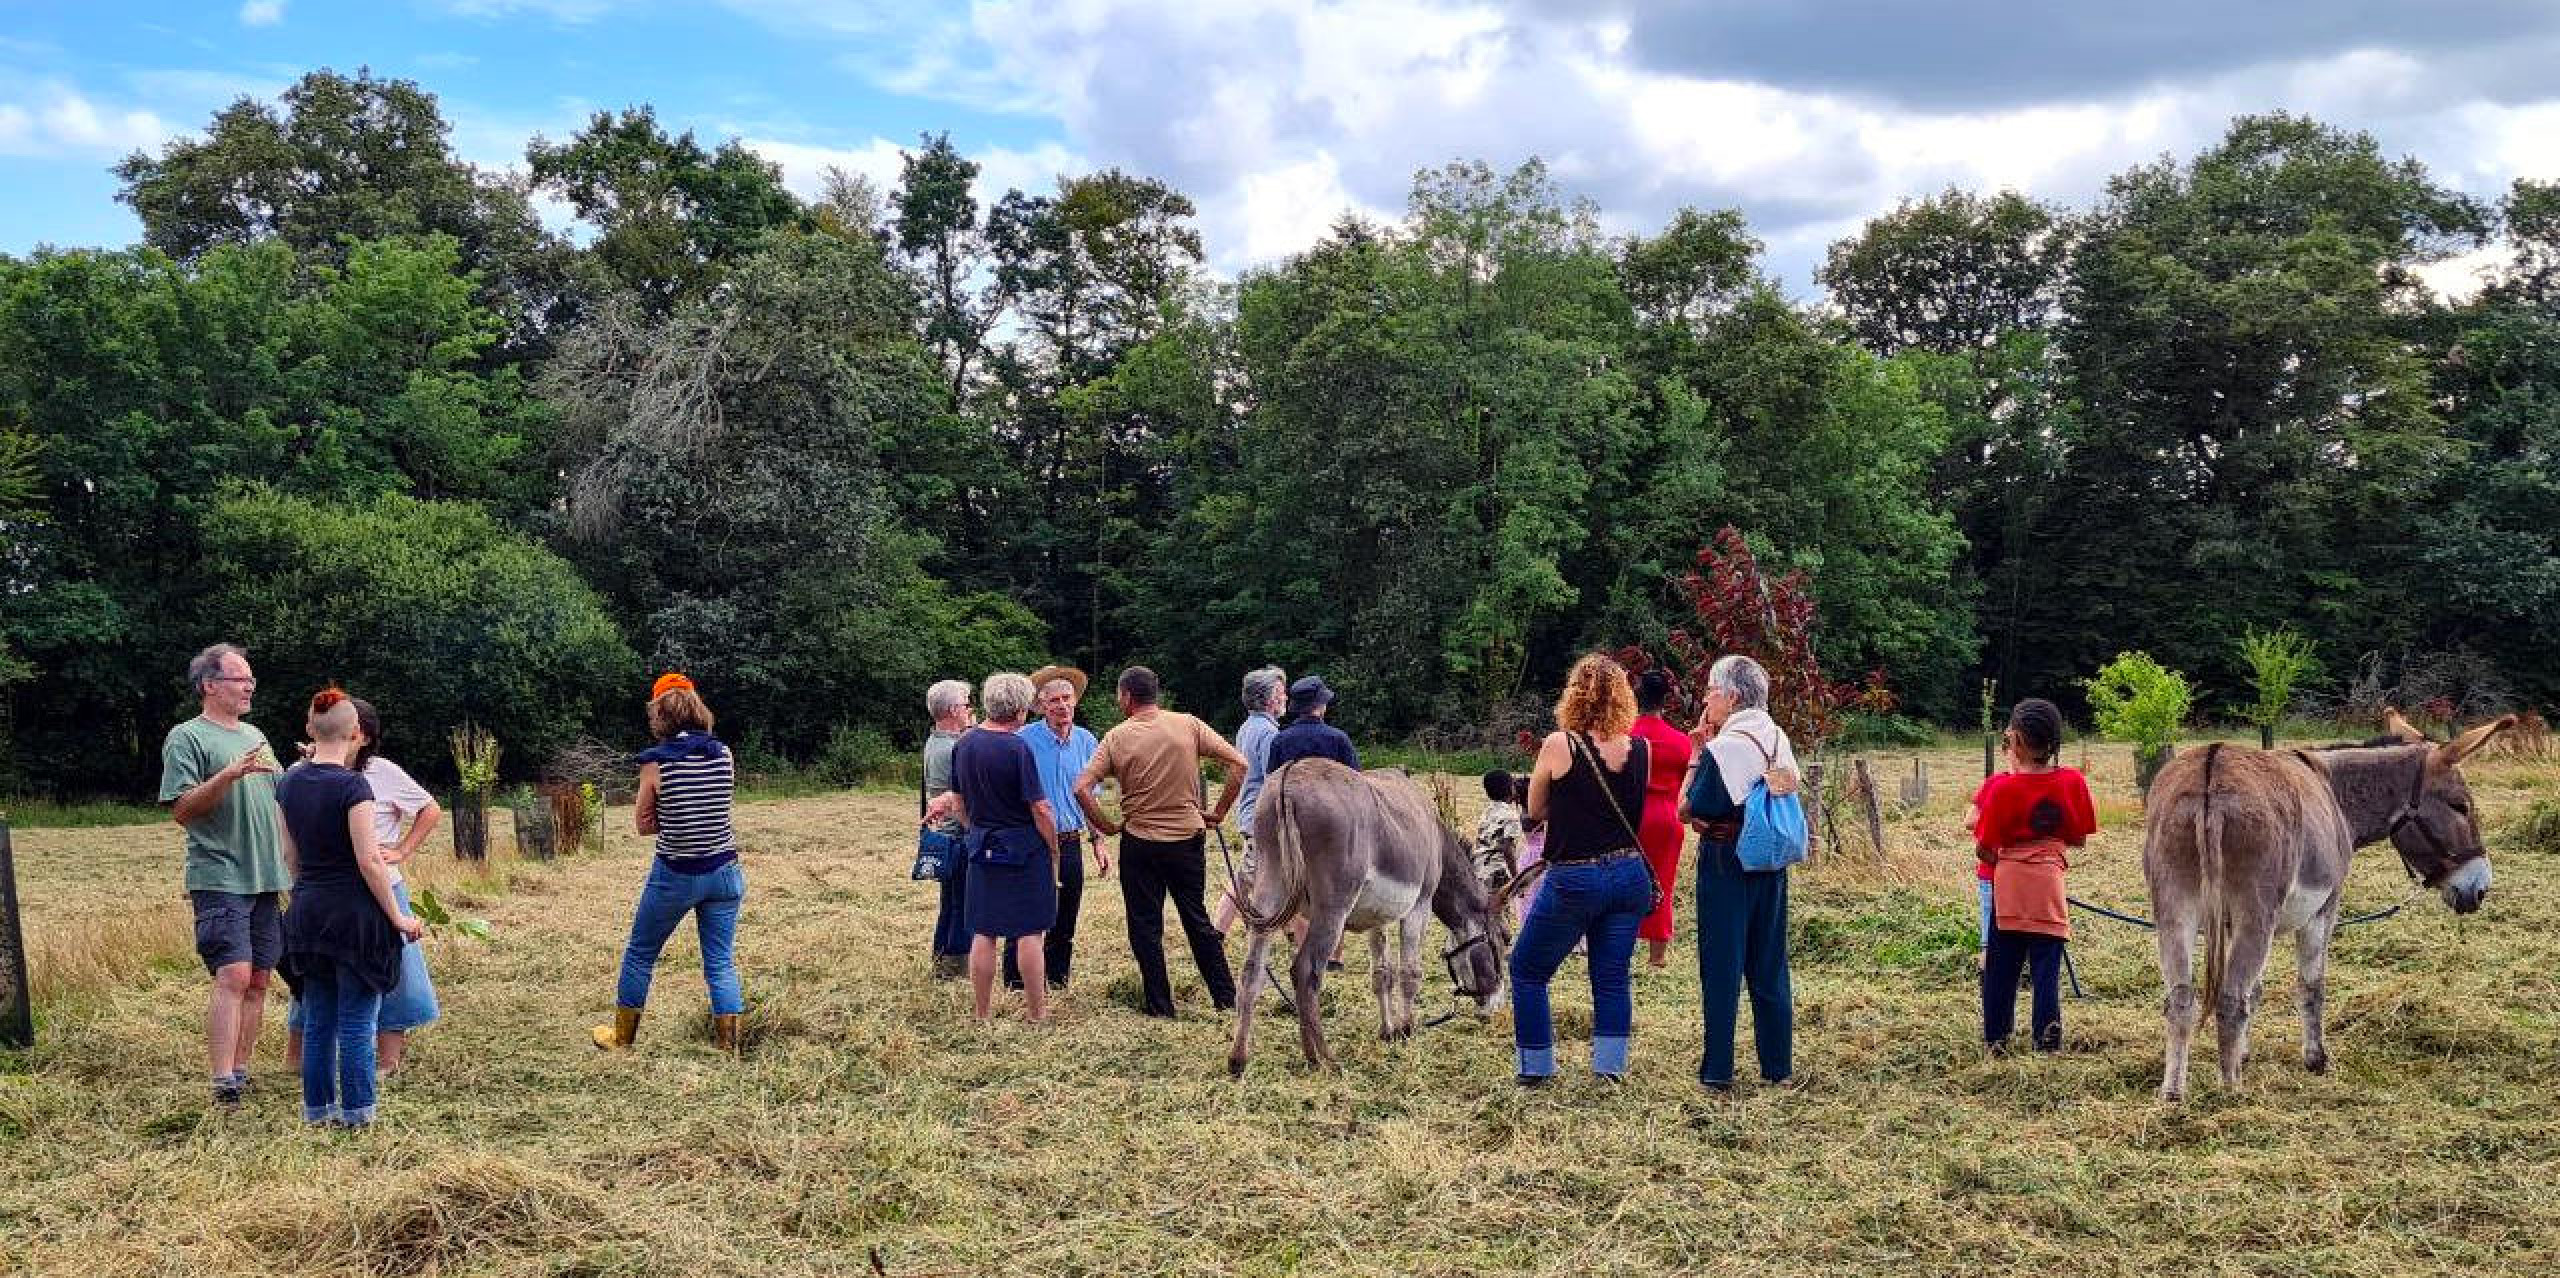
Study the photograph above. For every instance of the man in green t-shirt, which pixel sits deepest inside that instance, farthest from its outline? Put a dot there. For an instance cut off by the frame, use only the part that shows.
(217, 775)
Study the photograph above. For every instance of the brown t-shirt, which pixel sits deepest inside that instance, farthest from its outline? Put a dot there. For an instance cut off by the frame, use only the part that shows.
(1156, 758)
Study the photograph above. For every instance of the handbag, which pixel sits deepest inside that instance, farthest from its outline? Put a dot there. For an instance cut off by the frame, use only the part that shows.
(937, 853)
(1600, 778)
(1774, 835)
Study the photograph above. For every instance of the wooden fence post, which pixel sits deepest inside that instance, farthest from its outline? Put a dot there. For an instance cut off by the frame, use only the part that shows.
(17, 998)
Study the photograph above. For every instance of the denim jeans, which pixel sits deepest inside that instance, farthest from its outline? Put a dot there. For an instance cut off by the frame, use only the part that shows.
(337, 1046)
(713, 899)
(1603, 902)
(950, 928)
(1982, 910)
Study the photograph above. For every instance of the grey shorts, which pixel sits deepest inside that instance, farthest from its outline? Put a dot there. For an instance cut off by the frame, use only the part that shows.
(231, 928)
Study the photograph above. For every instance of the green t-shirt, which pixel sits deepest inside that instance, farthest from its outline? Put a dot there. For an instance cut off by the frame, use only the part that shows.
(233, 848)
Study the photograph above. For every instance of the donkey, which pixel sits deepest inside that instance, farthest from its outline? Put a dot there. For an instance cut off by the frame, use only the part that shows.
(1359, 851)
(2246, 843)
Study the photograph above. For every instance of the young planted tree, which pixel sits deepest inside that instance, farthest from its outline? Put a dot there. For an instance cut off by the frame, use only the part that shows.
(2136, 699)
(2279, 661)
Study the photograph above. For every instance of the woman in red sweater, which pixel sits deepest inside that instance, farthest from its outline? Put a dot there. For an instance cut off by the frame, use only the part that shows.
(2032, 816)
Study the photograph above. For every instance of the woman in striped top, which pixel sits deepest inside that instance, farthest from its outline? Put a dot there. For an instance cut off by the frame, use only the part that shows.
(686, 783)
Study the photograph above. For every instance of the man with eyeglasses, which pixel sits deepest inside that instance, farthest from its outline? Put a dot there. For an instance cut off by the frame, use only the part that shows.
(217, 774)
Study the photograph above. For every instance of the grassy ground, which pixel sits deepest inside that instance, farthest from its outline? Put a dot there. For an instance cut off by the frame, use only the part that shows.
(868, 1119)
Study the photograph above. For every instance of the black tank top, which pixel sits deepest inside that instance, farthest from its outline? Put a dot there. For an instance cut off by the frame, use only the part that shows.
(1580, 822)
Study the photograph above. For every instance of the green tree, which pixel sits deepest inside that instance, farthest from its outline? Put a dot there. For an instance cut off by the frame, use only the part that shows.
(431, 610)
(729, 496)
(2279, 660)
(348, 159)
(1953, 272)
(668, 214)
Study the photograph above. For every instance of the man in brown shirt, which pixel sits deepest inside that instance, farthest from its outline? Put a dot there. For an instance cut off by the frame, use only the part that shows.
(1155, 755)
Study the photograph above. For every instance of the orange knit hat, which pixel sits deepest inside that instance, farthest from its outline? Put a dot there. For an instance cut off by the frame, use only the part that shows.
(668, 682)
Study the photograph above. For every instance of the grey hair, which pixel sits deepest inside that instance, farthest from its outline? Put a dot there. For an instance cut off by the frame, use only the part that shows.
(1260, 684)
(208, 663)
(1742, 677)
(1005, 696)
(945, 697)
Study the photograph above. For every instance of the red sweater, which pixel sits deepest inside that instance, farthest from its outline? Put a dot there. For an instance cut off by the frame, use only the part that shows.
(2028, 819)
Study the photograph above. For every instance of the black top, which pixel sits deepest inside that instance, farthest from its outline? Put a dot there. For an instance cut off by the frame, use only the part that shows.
(1308, 737)
(997, 777)
(333, 922)
(1580, 822)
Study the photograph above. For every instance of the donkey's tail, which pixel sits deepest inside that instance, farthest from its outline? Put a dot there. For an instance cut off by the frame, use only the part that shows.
(2209, 885)
(1282, 864)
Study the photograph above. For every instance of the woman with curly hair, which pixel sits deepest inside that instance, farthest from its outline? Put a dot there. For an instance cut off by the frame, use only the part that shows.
(1588, 786)
(687, 789)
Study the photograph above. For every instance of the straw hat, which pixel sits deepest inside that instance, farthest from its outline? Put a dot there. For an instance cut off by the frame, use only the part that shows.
(1076, 678)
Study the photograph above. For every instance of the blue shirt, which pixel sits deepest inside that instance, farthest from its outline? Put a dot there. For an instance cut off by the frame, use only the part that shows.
(1060, 763)
(1253, 740)
(1309, 737)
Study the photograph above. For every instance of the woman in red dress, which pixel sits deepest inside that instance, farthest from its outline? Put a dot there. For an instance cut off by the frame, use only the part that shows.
(1660, 831)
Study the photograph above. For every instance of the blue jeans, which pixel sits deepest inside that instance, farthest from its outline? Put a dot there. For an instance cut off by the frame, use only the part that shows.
(337, 1047)
(1603, 903)
(1982, 909)
(713, 900)
(950, 928)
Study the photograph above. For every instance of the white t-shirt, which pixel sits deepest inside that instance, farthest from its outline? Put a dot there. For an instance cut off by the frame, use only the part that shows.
(397, 799)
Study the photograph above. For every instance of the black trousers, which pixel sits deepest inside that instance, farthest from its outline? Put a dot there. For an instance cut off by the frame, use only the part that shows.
(2041, 955)
(1058, 947)
(1150, 870)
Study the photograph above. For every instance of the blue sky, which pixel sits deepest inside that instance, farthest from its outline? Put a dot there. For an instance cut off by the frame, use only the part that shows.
(1276, 115)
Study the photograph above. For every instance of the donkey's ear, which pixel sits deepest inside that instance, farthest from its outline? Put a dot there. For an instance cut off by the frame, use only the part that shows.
(2393, 725)
(2462, 747)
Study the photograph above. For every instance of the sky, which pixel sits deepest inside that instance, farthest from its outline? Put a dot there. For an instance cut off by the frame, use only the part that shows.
(1276, 116)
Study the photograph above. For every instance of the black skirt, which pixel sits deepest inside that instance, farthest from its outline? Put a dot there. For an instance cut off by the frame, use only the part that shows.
(336, 927)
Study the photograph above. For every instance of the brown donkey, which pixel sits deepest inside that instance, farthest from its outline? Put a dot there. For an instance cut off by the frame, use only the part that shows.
(2245, 843)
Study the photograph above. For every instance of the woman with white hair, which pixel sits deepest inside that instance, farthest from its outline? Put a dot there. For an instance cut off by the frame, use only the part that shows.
(1742, 915)
(948, 704)
(1012, 844)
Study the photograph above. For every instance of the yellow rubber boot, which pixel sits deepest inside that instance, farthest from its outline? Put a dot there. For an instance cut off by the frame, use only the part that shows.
(625, 1027)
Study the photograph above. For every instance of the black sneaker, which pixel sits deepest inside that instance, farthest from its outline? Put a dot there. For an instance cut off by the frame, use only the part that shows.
(1534, 1080)
(227, 1092)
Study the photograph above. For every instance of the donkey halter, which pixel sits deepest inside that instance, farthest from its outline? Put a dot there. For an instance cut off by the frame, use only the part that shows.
(2407, 815)
(1449, 958)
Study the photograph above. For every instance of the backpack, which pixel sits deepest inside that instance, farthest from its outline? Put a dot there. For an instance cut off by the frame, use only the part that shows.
(1774, 835)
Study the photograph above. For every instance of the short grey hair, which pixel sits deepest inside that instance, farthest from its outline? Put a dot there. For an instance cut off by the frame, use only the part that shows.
(208, 663)
(1005, 696)
(945, 697)
(1742, 677)
(1260, 684)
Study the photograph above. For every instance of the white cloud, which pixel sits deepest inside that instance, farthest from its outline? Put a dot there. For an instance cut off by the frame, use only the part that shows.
(261, 13)
(60, 121)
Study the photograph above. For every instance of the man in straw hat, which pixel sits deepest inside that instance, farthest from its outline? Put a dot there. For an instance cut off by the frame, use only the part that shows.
(1061, 747)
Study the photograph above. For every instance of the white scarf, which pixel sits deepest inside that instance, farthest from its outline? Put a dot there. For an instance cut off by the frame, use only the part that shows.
(1739, 760)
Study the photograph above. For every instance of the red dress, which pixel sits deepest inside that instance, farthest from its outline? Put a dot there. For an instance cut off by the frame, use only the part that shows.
(1659, 830)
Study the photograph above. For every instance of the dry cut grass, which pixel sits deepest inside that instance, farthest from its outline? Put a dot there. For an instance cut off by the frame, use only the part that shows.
(869, 1123)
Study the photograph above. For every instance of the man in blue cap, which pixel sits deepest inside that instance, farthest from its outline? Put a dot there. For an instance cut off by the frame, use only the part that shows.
(1308, 736)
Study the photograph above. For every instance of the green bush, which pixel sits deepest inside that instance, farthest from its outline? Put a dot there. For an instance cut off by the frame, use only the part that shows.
(859, 753)
(433, 611)
(2279, 661)
(2136, 699)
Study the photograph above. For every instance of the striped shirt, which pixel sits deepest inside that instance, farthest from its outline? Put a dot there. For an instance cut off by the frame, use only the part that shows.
(694, 791)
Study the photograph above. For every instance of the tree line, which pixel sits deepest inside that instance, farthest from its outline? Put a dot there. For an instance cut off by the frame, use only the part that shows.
(352, 404)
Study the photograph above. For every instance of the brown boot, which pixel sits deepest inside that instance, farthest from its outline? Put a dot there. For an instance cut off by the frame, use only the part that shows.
(617, 1036)
(724, 1033)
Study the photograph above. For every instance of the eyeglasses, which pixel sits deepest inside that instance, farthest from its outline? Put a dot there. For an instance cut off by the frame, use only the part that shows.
(251, 680)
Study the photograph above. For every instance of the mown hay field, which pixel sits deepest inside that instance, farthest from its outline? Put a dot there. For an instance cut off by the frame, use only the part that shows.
(870, 1124)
